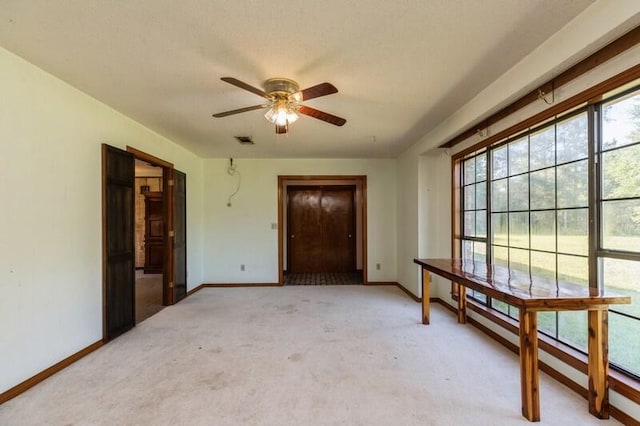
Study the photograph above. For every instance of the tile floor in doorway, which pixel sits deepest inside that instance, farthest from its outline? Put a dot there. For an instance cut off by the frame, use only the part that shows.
(323, 278)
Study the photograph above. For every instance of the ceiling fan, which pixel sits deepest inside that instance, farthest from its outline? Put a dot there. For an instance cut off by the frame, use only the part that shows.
(284, 100)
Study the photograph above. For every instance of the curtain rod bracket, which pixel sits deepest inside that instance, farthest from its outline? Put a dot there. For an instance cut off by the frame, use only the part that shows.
(543, 96)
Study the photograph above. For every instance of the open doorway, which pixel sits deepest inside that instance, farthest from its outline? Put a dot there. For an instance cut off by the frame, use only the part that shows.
(118, 236)
(149, 239)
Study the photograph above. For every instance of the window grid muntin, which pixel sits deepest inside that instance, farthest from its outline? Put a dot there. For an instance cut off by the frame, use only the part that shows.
(509, 212)
(465, 187)
(474, 239)
(490, 179)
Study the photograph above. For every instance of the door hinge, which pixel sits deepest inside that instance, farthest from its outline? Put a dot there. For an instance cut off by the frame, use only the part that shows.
(170, 284)
(172, 234)
(170, 182)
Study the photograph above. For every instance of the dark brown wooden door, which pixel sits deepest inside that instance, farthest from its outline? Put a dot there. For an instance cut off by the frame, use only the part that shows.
(304, 230)
(180, 235)
(321, 229)
(338, 226)
(118, 179)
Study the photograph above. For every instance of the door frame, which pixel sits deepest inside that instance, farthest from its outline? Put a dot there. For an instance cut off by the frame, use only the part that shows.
(168, 297)
(319, 180)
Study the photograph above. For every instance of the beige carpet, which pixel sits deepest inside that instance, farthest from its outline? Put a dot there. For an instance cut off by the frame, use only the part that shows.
(325, 355)
(148, 295)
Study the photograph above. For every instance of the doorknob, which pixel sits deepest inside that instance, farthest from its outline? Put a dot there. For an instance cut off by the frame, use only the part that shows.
(349, 235)
(293, 236)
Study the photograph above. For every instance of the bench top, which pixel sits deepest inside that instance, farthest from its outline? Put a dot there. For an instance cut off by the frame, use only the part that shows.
(520, 288)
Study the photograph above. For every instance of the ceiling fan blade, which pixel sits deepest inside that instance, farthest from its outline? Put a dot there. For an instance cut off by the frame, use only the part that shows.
(245, 86)
(238, 111)
(320, 115)
(322, 89)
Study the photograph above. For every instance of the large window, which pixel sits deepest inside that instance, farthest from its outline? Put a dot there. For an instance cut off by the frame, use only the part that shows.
(527, 203)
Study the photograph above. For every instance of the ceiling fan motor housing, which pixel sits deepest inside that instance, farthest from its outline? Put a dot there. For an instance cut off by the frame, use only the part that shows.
(281, 87)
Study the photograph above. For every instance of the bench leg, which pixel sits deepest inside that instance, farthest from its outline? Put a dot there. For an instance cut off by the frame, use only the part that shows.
(425, 296)
(529, 365)
(462, 304)
(598, 364)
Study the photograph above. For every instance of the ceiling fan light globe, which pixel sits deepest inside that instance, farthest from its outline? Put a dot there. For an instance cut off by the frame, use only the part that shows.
(292, 116)
(270, 115)
(281, 117)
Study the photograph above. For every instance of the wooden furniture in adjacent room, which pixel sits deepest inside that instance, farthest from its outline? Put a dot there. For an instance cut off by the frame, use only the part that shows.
(532, 294)
(153, 232)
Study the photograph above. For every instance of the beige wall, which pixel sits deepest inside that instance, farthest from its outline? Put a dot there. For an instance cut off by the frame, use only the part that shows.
(51, 236)
(242, 234)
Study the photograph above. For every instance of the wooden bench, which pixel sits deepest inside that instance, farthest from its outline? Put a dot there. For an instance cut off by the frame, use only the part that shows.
(532, 294)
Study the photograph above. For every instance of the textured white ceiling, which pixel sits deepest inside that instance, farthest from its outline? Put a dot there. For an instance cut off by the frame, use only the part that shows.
(400, 66)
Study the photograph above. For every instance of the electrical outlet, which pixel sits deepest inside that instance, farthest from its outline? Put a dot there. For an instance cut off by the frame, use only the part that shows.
(242, 267)
(378, 266)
